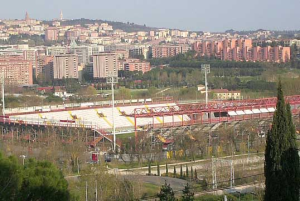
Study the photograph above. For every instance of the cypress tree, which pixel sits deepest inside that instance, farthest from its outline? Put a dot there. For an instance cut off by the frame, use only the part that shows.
(174, 172)
(195, 175)
(181, 172)
(149, 168)
(291, 161)
(158, 170)
(281, 157)
(187, 171)
(167, 169)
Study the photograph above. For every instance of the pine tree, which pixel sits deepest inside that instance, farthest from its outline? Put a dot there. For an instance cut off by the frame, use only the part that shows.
(281, 156)
(158, 170)
(166, 193)
(181, 172)
(167, 169)
(187, 194)
(174, 172)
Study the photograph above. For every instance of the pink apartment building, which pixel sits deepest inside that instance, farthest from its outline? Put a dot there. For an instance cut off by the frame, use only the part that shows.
(160, 51)
(51, 33)
(241, 50)
(16, 70)
(136, 65)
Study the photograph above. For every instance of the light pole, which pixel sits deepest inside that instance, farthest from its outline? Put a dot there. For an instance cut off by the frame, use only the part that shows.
(205, 68)
(23, 157)
(112, 78)
(3, 101)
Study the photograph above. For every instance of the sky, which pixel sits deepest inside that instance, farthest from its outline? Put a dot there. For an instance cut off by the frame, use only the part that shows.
(193, 15)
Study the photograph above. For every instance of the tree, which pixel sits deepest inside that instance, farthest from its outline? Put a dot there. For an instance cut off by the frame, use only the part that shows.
(149, 168)
(188, 195)
(43, 181)
(187, 171)
(166, 193)
(90, 91)
(167, 169)
(124, 93)
(158, 170)
(10, 178)
(291, 163)
(192, 173)
(181, 172)
(174, 171)
(34, 181)
(196, 175)
(281, 156)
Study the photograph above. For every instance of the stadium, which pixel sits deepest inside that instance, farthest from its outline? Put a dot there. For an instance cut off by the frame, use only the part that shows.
(139, 115)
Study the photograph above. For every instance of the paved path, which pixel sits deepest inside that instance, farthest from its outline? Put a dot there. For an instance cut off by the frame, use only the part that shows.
(176, 184)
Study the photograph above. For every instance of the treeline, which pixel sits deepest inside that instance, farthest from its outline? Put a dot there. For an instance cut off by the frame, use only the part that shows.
(31, 40)
(192, 60)
(128, 27)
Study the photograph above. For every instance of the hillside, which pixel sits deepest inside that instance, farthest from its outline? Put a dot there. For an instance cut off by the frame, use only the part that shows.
(128, 27)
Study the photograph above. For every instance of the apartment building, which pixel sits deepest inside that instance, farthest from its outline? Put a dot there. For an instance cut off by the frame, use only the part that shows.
(65, 66)
(51, 34)
(104, 64)
(83, 53)
(136, 65)
(45, 66)
(16, 70)
(160, 51)
(241, 50)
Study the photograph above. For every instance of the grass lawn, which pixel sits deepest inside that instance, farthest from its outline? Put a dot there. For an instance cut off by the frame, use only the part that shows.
(125, 136)
(150, 190)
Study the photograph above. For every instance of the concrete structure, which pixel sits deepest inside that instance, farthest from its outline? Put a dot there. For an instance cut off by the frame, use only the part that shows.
(103, 63)
(51, 34)
(17, 70)
(65, 66)
(160, 51)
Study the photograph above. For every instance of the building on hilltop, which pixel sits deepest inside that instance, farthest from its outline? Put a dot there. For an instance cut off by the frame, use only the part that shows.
(51, 34)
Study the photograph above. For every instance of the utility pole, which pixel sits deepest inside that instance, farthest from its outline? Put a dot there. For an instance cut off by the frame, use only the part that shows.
(205, 68)
(112, 79)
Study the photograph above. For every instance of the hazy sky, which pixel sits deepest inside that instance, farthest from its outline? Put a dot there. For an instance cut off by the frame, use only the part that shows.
(209, 15)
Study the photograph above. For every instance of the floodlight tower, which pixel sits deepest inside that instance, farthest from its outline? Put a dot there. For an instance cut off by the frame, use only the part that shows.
(112, 78)
(205, 68)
